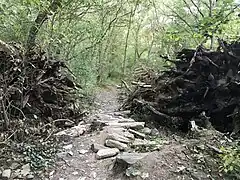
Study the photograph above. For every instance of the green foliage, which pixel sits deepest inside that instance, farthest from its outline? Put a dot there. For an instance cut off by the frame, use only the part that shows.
(101, 41)
(230, 160)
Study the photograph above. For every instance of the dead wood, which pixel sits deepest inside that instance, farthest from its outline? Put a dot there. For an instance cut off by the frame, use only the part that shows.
(35, 90)
(201, 82)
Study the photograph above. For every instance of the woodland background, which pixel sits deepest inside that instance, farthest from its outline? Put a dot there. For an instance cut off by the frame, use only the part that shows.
(105, 40)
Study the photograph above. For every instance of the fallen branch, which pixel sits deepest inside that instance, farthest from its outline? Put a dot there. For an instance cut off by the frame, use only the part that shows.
(126, 86)
(215, 149)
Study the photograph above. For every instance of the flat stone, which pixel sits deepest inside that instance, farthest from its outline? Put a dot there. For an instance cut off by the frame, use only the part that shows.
(124, 120)
(141, 142)
(116, 144)
(154, 132)
(93, 174)
(6, 174)
(70, 153)
(134, 125)
(75, 173)
(137, 134)
(14, 165)
(30, 176)
(130, 158)
(96, 147)
(75, 131)
(118, 137)
(83, 151)
(119, 130)
(105, 118)
(61, 154)
(25, 170)
(122, 113)
(128, 135)
(145, 175)
(67, 147)
(146, 131)
(106, 153)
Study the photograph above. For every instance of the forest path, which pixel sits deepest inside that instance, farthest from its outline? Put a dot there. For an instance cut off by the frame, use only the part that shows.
(172, 161)
(107, 99)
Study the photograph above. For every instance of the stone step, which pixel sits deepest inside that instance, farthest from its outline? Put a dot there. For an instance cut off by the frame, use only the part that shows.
(133, 125)
(130, 158)
(137, 134)
(106, 153)
(116, 144)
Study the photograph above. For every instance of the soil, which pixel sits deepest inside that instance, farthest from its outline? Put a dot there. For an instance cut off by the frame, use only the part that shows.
(181, 158)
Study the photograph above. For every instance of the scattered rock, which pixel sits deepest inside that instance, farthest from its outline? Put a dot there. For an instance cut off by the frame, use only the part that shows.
(145, 175)
(141, 142)
(6, 174)
(96, 147)
(75, 173)
(14, 166)
(30, 176)
(51, 173)
(154, 132)
(67, 147)
(137, 134)
(181, 168)
(82, 178)
(16, 174)
(70, 153)
(61, 154)
(105, 153)
(130, 158)
(83, 151)
(25, 170)
(116, 144)
(132, 171)
(146, 131)
(93, 174)
(74, 131)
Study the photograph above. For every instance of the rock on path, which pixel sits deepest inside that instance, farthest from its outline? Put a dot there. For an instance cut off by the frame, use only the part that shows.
(102, 149)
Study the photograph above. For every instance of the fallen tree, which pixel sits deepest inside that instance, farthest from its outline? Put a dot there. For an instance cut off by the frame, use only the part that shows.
(203, 88)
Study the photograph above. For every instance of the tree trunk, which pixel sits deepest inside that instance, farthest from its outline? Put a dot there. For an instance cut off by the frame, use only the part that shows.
(41, 18)
(127, 36)
(210, 15)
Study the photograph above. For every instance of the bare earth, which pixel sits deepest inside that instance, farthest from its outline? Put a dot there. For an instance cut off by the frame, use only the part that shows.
(181, 158)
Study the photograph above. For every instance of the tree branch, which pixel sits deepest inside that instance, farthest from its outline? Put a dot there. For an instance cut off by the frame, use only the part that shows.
(198, 9)
(185, 2)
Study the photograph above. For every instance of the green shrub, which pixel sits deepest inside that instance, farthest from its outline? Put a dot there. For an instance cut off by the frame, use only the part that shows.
(230, 160)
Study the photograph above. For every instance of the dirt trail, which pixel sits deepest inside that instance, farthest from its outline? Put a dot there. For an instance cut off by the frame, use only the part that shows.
(173, 161)
(78, 162)
(107, 99)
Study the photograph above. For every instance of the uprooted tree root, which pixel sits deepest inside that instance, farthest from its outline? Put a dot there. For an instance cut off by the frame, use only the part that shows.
(38, 97)
(36, 93)
(202, 88)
